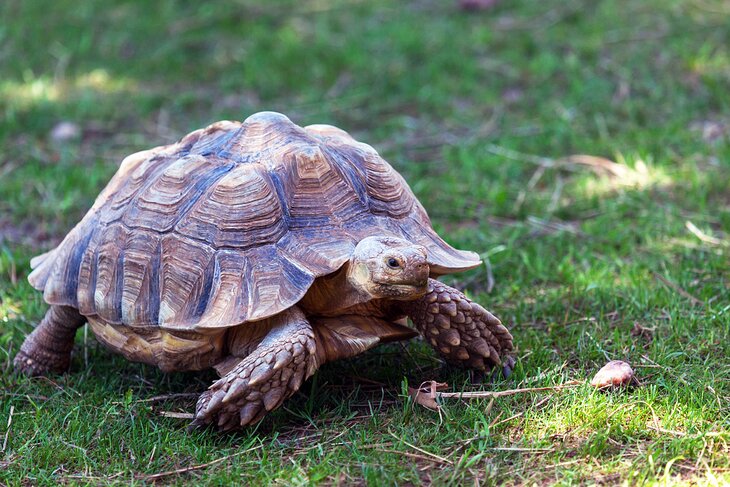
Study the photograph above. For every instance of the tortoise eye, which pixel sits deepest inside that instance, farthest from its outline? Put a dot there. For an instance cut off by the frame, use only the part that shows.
(393, 263)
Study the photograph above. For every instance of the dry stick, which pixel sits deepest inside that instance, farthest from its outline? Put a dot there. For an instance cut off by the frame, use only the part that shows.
(7, 430)
(511, 392)
(173, 414)
(678, 289)
(160, 475)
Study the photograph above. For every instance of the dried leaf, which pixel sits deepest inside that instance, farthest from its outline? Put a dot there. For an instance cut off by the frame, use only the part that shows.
(425, 395)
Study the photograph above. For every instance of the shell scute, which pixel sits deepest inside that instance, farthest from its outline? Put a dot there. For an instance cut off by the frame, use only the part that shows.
(186, 269)
(241, 210)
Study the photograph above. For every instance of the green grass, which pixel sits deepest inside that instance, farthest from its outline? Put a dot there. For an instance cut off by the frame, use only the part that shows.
(479, 112)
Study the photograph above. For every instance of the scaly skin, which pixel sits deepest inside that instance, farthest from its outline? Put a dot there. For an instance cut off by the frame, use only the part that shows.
(47, 350)
(261, 381)
(462, 331)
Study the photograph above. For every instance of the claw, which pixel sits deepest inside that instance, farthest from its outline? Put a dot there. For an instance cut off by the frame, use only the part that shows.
(222, 420)
(481, 347)
(215, 400)
(462, 354)
(248, 412)
(296, 381)
(273, 398)
(451, 337)
(235, 390)
(260, 374)
(196, 424)
(508, 367)
(282, 358)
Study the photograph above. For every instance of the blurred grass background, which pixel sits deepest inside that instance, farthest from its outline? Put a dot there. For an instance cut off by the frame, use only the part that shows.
(490, 116)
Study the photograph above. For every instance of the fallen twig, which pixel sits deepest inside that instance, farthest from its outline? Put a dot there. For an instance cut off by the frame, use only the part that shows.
(173, 414)
(428, 392)
(510, 392)
(165, 397)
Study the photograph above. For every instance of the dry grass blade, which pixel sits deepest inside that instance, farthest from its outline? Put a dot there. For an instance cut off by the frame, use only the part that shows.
(432, 455)
(169, 473)
(517, 449)
(166, 397)
(599, 165)
(702, 235)
(678, 289)
(7, 429)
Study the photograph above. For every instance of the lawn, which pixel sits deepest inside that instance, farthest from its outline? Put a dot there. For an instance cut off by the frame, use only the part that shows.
(581, 147)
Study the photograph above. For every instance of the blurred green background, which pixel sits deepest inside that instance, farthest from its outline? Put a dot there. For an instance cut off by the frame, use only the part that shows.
(581, 147)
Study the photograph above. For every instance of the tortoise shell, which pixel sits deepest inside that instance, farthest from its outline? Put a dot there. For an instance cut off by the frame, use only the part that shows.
(232, 224)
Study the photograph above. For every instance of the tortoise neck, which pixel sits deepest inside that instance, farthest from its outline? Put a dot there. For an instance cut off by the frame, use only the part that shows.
(334, 292)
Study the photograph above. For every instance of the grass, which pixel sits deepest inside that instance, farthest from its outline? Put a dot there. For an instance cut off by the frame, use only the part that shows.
(480, 112)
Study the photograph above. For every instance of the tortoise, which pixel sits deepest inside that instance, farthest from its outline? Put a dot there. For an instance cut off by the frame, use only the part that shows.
(262, 249)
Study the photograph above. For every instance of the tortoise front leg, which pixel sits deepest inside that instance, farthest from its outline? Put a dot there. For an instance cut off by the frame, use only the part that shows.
(462, 331)
(261, 381)
(47, 349)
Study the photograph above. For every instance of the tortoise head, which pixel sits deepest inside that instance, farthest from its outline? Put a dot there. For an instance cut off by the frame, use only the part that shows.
(388, 267)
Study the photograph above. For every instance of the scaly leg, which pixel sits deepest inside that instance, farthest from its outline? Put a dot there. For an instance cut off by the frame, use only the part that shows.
(462, 331)
(48, 348)
(262, 380)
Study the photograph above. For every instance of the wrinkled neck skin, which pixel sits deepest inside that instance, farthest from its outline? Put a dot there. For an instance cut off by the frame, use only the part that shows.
(331, 294)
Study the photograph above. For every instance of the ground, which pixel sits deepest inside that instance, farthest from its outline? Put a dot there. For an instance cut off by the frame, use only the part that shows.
(580, 147)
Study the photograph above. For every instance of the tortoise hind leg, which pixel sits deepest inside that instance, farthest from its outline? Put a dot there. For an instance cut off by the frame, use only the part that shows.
(47, 349)
(260, 382)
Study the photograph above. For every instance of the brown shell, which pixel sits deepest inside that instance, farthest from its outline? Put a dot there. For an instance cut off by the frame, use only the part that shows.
(232, 224)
